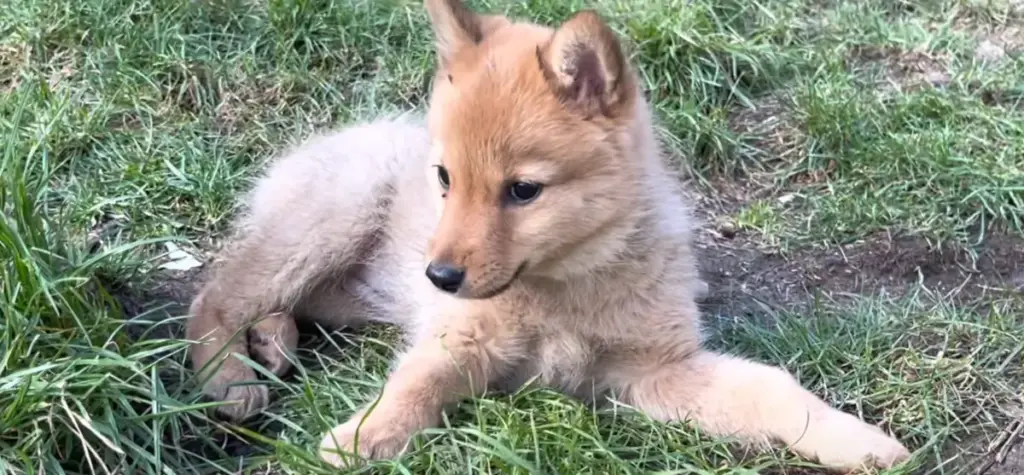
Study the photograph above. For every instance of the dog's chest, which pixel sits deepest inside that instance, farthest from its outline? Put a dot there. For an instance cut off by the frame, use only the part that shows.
(559, 360)
(575, 339)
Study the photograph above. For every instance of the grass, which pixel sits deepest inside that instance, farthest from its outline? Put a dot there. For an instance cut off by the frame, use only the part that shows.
(129, 123)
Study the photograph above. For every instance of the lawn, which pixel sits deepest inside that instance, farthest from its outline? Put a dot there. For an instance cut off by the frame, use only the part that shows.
(858, 168)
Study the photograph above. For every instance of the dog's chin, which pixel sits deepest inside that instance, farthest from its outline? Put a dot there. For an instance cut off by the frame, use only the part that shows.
(492, 290)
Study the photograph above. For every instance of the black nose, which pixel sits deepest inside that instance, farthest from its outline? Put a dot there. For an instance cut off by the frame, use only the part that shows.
(446, 277)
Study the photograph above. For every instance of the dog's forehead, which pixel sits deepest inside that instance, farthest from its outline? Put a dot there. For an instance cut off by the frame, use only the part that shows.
(498, 111)
(495, 110)
(513, 138)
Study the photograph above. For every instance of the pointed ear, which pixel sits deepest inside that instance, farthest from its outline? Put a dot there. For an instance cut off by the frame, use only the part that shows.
(585, 66)
(456, 26)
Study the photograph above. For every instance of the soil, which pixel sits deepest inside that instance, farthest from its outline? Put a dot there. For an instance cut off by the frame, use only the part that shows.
(746, 280)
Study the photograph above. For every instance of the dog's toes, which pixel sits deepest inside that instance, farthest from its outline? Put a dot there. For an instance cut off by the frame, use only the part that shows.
(237, 386)
(356, 441)
(242, 402)
(272, 339)
(852, 444)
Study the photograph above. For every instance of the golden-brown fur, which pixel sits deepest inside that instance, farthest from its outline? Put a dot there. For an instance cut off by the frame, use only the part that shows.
(590, 287)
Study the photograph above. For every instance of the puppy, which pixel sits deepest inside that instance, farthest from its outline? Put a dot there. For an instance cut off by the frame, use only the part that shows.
(528, 227)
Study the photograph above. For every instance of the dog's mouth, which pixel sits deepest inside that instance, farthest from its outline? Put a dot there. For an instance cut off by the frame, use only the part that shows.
(496, 291)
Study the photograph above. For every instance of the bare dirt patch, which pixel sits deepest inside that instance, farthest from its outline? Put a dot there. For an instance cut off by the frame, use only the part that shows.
(771, 127)
(1006, 35)
(1011, 464)
(901, 70)
(12, 59)
(744, 280)
(168, 296)
(1000, 454)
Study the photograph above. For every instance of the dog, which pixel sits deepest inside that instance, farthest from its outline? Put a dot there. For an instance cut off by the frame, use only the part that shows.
(525, 229)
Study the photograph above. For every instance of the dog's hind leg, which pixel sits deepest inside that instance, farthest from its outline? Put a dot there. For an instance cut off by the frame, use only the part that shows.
(248, 308)
(319, 212)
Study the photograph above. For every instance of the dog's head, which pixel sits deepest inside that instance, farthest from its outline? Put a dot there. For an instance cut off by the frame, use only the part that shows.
(533, 148)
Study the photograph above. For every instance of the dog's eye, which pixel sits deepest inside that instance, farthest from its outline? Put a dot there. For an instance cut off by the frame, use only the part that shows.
(523, 192)
(442, 177)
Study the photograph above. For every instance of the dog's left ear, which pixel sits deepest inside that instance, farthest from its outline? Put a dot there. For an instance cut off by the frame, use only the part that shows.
(456, 26)
(585, 66)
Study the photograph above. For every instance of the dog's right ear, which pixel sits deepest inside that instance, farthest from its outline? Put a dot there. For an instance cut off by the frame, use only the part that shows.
(456, 26)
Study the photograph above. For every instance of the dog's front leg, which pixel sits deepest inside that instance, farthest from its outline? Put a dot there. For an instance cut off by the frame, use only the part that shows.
(731, 396)
(459, 361)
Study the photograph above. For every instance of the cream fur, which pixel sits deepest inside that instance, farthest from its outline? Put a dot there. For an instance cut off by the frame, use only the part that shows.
(591, 288)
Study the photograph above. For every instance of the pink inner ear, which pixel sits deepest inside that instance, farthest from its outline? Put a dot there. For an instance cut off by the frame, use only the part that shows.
(587, 75)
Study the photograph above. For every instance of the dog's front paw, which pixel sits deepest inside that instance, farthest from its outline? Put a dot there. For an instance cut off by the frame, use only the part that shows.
(243, 401)
(272, 339)
(237, 385)
(847, 443)
(379, 436)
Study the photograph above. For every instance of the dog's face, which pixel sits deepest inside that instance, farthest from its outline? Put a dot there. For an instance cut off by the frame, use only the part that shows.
(531, 160)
